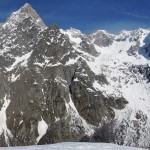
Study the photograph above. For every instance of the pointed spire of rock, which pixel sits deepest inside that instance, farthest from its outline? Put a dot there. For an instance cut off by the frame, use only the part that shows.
(53, 27)
(28, 10)
(24, 12)
(26, 7)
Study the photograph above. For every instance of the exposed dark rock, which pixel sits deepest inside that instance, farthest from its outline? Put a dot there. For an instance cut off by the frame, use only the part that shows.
(105, 134)
(101, 38)
(101, 79)
(133, 49)
(117, 103)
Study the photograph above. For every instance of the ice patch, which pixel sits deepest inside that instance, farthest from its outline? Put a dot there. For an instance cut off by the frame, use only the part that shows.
(42, 129)
(14, 77)
(72, 61)
(23, 60)
(3, 127)
(48, 43)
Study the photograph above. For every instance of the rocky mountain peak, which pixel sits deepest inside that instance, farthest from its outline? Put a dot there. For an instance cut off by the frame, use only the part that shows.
(26, 12)
(26, 8)
(136, 35)
(101, 38)
(53, 27)
(102, 32)
(75, 31)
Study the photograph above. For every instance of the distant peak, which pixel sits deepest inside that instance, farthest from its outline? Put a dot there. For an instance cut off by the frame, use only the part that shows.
(75, 30)
(125, 32)
(135, 32)
(143, 30)
(53, 26)
(103, 32)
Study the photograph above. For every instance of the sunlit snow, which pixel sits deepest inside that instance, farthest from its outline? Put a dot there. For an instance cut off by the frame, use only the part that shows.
(74, 146)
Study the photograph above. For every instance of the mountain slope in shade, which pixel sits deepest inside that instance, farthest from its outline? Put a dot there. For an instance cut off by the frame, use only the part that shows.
(59, 85)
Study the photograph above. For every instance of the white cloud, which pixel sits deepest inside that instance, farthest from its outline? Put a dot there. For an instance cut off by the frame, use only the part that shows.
(136, 15)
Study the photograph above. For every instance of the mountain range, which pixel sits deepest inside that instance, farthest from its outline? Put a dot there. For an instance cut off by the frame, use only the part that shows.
(65, 86)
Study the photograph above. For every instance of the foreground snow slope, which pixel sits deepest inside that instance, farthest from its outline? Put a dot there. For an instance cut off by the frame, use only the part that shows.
(74, 146)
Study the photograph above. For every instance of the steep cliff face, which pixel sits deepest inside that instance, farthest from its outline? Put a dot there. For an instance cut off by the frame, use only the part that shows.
(61, 85)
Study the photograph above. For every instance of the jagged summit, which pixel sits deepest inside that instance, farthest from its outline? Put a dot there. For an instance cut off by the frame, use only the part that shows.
(103, 32)
(53, 26)
(26, 5)
(26, 8)
(75, 30)
(101, 38)
(26, 11)
(133, 35)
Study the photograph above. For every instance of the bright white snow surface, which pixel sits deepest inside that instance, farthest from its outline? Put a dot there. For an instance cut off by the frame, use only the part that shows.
(42, 129)
(3, 118)
(74, 146)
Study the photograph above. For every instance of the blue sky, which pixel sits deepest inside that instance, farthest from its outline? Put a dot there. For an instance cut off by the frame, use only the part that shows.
(86, 15)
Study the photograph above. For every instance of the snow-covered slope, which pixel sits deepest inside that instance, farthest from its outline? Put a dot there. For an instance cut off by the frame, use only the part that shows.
(127, 71)
(74, 146)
